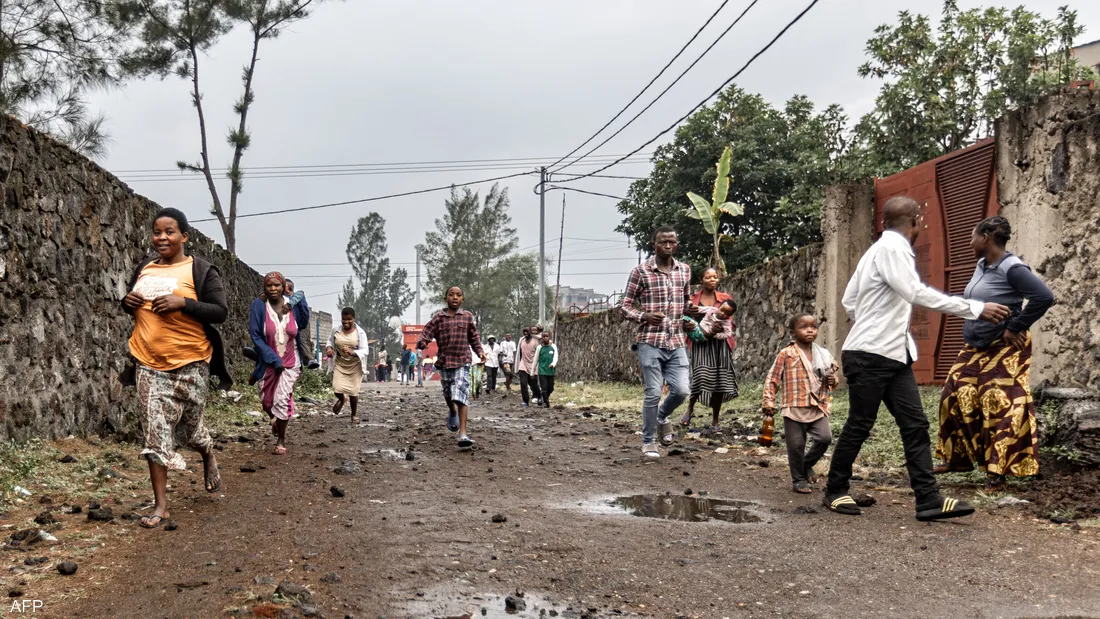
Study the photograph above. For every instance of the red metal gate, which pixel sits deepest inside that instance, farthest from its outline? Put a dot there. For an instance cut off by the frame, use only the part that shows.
(955, 191)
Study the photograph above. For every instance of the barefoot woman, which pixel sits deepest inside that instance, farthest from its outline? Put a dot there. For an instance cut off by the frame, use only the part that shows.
(175, 300)
(274, 331)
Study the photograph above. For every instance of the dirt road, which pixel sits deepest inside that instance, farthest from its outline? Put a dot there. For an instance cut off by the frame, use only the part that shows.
(414, 535)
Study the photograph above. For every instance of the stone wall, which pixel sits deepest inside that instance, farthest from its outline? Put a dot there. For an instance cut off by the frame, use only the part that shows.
(767, 296)
(847, 224)
(1048, 185)
(70, 236)
(597, 347)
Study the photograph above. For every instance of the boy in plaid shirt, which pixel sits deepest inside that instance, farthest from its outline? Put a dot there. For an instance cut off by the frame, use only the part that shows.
(454, 330)
(807, 373)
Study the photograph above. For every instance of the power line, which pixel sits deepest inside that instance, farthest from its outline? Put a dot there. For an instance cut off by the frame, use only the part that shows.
(591, 193)
(372, 199)
(667, 88)
(629, 178)
(192, 176)
(646, 87)
(710, 96)
(533, 162)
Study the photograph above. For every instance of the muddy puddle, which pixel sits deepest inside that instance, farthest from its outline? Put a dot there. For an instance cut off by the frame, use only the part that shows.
(447, 602)
(688, 508)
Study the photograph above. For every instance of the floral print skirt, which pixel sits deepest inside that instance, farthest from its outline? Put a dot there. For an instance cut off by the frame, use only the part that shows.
(987, 417)
(172, 405)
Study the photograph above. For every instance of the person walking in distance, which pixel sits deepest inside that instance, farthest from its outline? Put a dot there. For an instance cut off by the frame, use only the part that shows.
(656, 298)
(525, 368)
(175, 300)
(507, 360)
(546, 359)
(403, 378)
(878, 356)
(454, 331)
(383, 359)
(492, 364)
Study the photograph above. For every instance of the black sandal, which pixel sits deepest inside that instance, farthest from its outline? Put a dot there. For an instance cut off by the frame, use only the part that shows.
(842, 504)
(801, 487)
(944, 509)
(146, 522)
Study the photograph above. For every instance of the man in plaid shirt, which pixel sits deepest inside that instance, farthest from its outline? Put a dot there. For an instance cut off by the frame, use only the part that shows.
(454, 331)
(660, 288)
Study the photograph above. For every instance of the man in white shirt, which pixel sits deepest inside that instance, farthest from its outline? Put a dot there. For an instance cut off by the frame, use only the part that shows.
(878, 356)
(507, 359)
(492, 364)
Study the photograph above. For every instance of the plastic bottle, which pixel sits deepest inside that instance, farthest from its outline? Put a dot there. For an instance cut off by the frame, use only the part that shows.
(767, 430)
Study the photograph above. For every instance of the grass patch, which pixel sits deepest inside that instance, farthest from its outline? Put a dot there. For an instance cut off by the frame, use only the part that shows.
(882, 450)
(223, 414)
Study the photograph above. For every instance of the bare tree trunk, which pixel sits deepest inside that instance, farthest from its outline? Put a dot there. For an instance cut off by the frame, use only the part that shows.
(239, 144)
(227, 229)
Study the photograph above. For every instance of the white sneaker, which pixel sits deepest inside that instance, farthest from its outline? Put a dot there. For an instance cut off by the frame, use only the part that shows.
(649, 450)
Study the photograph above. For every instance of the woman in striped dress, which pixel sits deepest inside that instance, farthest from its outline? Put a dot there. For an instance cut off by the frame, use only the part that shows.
(713, 382)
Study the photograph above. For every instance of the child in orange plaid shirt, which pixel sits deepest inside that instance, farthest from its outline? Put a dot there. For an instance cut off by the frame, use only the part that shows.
(807, 374)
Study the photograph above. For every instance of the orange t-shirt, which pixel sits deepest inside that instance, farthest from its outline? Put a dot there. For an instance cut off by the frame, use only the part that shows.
(169, 341)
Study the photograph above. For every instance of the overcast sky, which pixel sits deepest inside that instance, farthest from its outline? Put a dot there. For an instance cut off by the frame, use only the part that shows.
(368, 81)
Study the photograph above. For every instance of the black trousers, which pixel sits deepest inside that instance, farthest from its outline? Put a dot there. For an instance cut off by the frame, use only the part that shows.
(546, 385)
(491, 378)
(874, 380)
(525, 382)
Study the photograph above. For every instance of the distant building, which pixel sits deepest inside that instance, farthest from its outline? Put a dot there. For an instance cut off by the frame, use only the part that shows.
(580, 298)
(1088, 55)
(320, 327)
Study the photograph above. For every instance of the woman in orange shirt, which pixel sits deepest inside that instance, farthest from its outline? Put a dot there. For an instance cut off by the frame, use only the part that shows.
(175, 300)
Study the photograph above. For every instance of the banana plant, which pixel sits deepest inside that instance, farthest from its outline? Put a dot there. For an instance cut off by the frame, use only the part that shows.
(710, 213)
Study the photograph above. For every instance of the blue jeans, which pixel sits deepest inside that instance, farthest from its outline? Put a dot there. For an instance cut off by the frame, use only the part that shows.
(659, 366)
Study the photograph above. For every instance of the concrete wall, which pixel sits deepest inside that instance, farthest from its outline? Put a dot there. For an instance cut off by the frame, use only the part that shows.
(597, 347)
(70, 236)
(1048, 173)
(847, 224)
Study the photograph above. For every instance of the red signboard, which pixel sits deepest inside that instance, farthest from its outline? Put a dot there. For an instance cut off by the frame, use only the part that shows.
(955, 191)
(410, 335)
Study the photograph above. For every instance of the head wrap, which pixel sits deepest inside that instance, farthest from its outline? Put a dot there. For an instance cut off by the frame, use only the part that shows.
(276, 275)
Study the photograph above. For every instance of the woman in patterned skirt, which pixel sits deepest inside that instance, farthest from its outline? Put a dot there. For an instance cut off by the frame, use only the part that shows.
(713, 382)
(987, 417)
(175, 300)
(274, 331)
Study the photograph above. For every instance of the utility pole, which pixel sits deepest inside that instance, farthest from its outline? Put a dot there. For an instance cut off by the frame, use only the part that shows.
(418, 285)
(557, 288)
(542, 247)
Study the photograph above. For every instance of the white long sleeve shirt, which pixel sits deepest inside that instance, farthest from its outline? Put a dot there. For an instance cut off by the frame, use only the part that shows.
(492, 355)
(508, 349)
(880, 298)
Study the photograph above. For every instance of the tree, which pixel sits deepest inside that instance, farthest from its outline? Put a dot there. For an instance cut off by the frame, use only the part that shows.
(781, 160)
(175, 35)
(710, 213)
(51, 53)
(473, 247)
(944, 87)
(384, 292)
